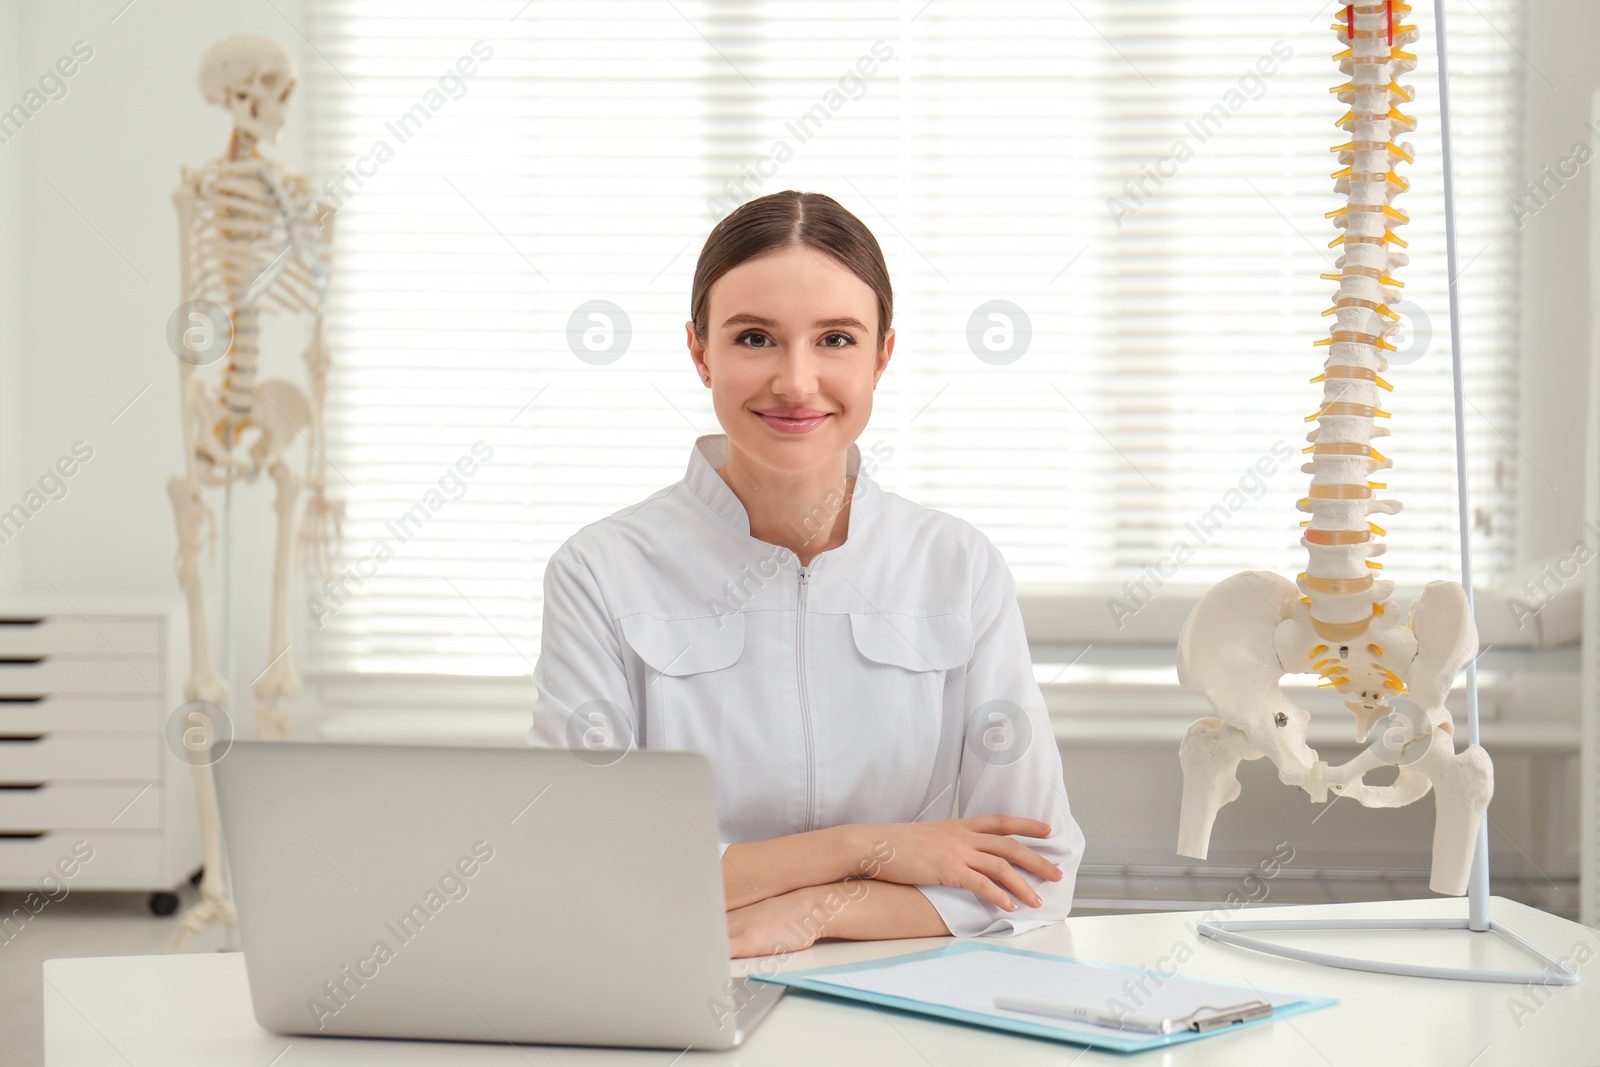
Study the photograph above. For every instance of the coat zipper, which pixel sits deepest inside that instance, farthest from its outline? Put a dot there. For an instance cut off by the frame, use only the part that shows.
(805, 708)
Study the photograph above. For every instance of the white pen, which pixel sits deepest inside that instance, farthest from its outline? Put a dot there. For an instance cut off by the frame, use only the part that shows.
(1085, 1013)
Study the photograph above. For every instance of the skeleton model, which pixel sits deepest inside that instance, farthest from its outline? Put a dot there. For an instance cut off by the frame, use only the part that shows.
(1255, 627)
(252, 239)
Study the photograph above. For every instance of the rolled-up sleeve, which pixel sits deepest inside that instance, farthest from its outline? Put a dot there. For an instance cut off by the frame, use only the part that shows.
(1010, 763)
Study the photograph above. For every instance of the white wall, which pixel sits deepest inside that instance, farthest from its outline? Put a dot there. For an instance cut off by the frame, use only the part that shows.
(1561, 77)
(10, 290)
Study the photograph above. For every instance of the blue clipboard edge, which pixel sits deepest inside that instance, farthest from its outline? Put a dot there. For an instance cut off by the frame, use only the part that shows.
(804, 980)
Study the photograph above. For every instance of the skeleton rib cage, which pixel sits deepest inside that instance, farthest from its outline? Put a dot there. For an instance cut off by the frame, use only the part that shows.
(254, 244)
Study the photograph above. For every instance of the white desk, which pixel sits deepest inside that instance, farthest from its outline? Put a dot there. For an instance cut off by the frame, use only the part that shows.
(176, 1011)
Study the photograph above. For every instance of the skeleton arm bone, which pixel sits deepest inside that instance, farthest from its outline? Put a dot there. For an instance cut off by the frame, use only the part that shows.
(322, 525)
(183, 198)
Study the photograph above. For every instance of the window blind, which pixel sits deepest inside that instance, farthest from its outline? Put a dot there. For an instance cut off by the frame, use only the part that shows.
(1129, 194)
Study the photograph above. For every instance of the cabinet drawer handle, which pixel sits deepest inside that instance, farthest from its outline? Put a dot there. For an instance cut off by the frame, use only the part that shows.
(20, 739)
(34, 699)
(21, 787)
(21, 661)
(20, 835)
(21, 620)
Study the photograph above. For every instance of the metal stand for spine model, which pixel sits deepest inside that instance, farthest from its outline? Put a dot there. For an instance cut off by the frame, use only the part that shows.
(1254, 627)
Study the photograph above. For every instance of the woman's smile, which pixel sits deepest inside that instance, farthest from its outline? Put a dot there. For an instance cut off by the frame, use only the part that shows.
(793, 420)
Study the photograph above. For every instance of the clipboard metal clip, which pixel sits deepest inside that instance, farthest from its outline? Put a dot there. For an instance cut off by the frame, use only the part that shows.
(1221, 1017)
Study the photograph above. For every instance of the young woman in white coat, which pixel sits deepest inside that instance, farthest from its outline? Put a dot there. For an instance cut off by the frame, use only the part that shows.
(852, 664)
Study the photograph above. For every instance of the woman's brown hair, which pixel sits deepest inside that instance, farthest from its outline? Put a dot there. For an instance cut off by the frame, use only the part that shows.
(780, 220)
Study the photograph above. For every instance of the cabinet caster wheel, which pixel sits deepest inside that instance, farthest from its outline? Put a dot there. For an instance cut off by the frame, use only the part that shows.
(194, 879)
(163, 903)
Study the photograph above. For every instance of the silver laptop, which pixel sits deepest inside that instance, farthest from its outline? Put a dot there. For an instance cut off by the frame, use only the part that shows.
(483, 894)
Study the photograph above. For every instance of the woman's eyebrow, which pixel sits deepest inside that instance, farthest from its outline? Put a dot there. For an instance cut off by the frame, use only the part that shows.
(744, 317)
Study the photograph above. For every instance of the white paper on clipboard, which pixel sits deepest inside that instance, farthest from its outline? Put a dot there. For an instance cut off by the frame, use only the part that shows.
(970, 981)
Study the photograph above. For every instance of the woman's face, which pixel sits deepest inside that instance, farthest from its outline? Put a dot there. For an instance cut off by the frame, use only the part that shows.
(789, 347)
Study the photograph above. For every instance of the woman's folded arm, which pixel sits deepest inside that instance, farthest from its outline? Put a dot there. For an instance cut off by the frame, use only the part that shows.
(755, 870)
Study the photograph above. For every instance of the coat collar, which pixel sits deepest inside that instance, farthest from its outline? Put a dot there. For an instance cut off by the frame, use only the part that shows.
(711, 451)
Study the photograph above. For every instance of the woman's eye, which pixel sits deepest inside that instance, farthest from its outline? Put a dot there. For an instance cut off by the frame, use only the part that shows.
(836, 339)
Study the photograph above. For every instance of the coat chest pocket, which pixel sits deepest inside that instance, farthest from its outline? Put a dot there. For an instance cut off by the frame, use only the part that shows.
(687, 675)
(903, 663)
(913, 642)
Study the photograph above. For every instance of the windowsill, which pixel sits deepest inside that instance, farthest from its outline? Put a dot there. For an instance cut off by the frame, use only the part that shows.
(1322, 733)
(1100, 684)
(1076, 615)
(1109, 726)
(423, 726)
(1089, 701)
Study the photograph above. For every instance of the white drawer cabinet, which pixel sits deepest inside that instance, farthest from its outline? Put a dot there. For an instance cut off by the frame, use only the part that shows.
(53, 635)
(78, 715)
(114, 859)
(85, 769)
(78, 806)
(62, 757)
(69, 672)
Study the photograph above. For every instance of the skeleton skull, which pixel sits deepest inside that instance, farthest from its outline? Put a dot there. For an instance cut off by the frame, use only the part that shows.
(253, 77)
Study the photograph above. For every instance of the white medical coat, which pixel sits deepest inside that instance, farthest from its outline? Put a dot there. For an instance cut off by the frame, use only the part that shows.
(888, 681)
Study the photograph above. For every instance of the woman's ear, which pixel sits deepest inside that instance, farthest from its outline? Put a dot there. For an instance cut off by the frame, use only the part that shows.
(697, 353)
(883, 356)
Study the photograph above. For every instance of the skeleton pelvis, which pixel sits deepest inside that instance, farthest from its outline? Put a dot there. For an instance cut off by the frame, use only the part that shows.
(1251, 629)
(237, 446)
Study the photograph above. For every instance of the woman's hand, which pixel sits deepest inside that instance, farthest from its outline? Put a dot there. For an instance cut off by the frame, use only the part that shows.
(788, 922)
(972, 854)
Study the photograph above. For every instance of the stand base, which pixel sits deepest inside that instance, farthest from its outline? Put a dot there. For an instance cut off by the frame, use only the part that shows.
(1556, 972)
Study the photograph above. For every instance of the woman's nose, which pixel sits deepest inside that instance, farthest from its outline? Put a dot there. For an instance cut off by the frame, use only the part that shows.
(796, 373)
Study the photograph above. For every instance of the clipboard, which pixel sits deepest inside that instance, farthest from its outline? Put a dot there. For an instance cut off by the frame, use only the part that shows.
(958, 982)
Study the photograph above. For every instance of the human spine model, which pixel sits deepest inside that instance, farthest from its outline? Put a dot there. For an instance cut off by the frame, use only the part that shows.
(252, 238)
(1253, 628)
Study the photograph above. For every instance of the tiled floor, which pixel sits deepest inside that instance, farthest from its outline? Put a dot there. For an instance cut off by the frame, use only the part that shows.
(80, 924)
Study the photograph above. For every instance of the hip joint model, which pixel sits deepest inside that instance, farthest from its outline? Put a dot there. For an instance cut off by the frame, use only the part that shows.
(1336, 620)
